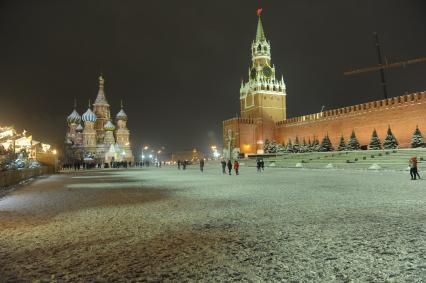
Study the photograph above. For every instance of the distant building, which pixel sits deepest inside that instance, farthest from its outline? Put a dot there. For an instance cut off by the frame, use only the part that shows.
(263, 112)
(93, 136)
(190, 155)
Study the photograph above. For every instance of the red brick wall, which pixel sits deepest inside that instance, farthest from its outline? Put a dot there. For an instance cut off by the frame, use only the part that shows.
(401, 113)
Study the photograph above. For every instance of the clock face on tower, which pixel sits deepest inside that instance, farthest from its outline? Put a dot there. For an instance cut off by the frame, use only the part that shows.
(267, 71)
(253, 73)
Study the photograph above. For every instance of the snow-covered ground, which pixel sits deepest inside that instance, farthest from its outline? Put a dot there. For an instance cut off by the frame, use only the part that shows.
(161, 224)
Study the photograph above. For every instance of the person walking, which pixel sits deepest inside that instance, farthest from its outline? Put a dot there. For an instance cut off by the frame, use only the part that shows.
(258, 165)
(223, 163)
(229, 164)
(413, 168)
(262, 164)
(236, 167)
(184, 165)
(202, 164)
(178, 163)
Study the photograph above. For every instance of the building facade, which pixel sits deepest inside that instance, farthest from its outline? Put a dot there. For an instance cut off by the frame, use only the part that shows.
(94, 137)
(263, 112)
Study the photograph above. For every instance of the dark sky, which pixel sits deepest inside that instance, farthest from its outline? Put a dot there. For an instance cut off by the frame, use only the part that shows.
(178, 64)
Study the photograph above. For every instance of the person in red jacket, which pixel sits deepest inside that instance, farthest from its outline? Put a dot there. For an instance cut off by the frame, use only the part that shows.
(236, 167)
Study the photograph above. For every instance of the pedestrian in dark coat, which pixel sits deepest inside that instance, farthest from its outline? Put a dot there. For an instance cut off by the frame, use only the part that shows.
(258, 165)
(223, 163)
(262, 164)
(184, 165)
(178, 163)
(413, 168)
(229, 164)
(202, 164)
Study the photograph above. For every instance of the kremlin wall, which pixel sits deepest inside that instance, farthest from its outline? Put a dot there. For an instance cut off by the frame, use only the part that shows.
(263, 113)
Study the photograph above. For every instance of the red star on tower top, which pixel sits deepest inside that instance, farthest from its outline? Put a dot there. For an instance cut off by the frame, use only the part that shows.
(259, 11)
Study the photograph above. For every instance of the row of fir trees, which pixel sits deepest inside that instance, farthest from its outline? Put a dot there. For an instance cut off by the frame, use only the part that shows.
(389, 142)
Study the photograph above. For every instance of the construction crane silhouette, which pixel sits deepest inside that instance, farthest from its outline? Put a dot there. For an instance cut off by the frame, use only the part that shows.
(381, 67)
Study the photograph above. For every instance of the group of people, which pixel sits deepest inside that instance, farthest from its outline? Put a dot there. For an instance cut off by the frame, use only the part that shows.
(414, 173)
(182, 164)
(229, 166)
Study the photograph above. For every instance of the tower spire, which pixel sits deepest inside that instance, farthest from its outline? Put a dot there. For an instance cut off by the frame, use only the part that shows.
(75, 103)
(121, 102)
(101, 99)
(260, 34)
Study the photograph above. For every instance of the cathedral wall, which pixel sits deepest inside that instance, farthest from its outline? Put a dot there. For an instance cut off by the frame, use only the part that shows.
(402, 113)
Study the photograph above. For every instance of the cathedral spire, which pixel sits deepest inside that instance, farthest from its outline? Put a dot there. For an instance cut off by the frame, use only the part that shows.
(101, 99)
(260, 34)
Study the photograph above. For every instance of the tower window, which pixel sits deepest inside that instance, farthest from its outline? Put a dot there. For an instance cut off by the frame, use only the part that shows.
(259, 48)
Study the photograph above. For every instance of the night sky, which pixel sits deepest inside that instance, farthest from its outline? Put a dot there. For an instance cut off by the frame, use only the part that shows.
(178, 65)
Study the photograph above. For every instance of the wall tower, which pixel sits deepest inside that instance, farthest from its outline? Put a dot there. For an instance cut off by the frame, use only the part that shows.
(263, 95)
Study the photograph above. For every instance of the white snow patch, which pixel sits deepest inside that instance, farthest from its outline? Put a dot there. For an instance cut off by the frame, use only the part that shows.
(375, 166)
(299, 165)
(329, 166)
(272, 164)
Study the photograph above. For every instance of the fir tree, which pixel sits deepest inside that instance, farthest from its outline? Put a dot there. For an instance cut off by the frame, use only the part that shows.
(390, 141)
(289, 147)
(342, 144)
(303, 146)
(309, 147)
(316, 145)
(417, 139)
(296, 145)
(326, 144)
(266, 146)
(353, 143)
(273, 147)
(375, 141)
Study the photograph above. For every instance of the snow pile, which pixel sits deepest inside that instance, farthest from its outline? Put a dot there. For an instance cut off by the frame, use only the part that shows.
(329, 166)
(299, 165)
(272, 164)
(375, 166)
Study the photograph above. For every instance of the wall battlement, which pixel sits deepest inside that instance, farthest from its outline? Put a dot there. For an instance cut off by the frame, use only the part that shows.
(419, 97)
(231, 121)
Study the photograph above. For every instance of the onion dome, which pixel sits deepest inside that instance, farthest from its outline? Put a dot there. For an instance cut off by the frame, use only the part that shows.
(79, 128)
(109, 126)
(121, 115)
(74, 118)
(89, 116)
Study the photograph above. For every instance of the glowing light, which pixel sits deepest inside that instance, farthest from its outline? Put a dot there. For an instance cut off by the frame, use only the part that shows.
(54, 151)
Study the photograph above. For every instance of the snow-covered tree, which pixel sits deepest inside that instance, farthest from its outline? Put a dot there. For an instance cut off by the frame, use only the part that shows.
(326, 144)
(342, 144)
(353, 143)
(296, 145)
(375, 141)
(289, 147)
(417, 139)
(390, 141)
(309, 146)
(316, 145)
(304, 146)
(266, 146)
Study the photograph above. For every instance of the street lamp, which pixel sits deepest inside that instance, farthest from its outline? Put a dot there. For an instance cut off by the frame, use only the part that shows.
(144, 148)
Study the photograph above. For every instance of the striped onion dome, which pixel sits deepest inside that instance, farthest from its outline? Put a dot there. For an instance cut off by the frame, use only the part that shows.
(89, 116)
(109, 126)
(121, 115)
(74, 118)
(79, 128)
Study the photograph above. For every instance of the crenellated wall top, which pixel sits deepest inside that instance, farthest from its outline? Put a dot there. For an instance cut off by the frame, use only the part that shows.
(357, 109)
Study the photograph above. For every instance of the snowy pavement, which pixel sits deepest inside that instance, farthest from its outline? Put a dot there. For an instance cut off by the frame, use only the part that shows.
(161, 224)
